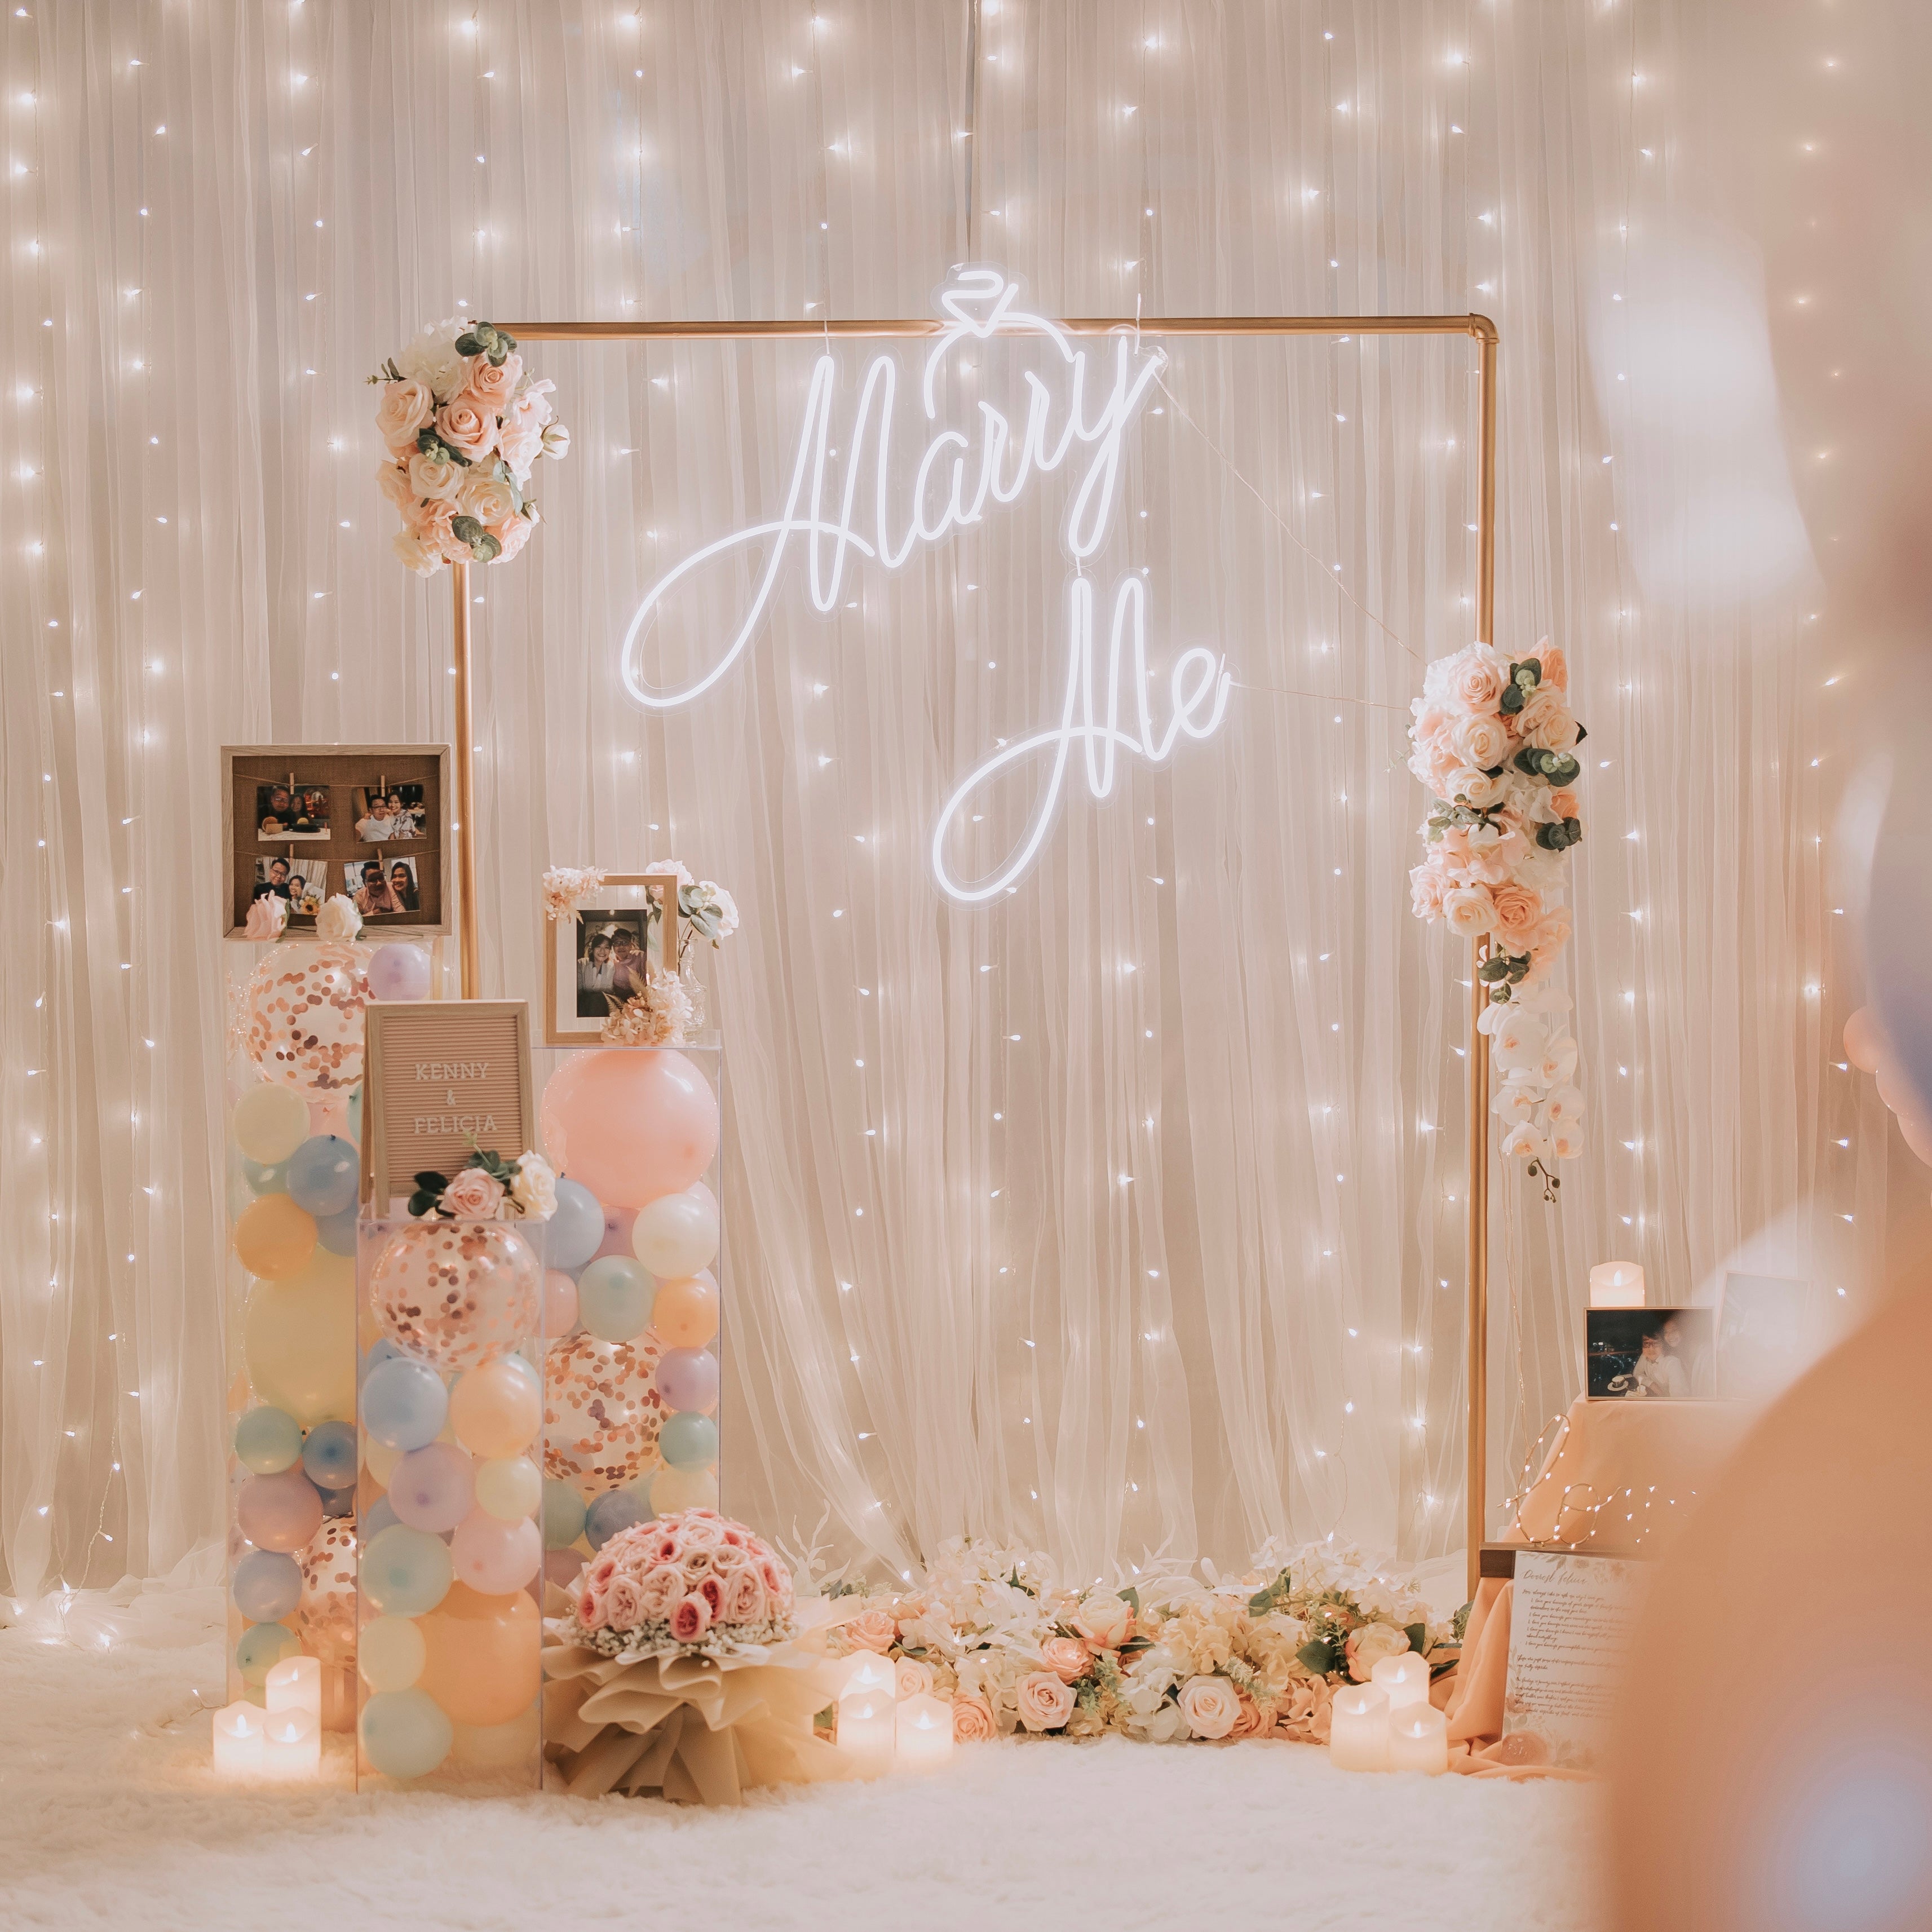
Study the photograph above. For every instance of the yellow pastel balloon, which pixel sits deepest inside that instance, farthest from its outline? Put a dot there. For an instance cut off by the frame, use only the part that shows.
(298, 1340)
(482, 1665)
(380, 1460)
(496, 1410)
(390, 1653)
(683, 1488)
(510, 1487)
(274, 1238)
(270, 1123)
(685, 1313)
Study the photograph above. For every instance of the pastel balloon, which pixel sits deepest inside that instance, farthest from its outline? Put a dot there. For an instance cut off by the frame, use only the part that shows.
(688, 1442)
(266, 1585)
(575, 1231)
(336, 1232)
(328, 1618)
(497, 1410)
(563, 1513)
(614, 1298)
(685, 1315)
(339, 1502)
(260, 1648)
(323, 1175)
(405, 1571)
(404, 1734)
(390, 1653)
(682, 1489)
(270, 1123)
(613, 1511)
(399, 971)
(266, 1179)
(380, 1350)
(302, 1019)
(630, 1125)
(378, 1517)
(1916, 1133)
(329, 1115)
(561, 1566)
(601, 1410)
(677, 1234)
(618, 1222)
(1894, 1086)
(494, 1556)
(275, 1237)
(513, 1746)
(1864, 1042)
(329, 1456)
(298, 1342)
(267, 1440)
(560, 1313)
(484, 1662)
(688, 1378)
(404, 1403)
(510, 1487)
(279, 1512)
(433, 1488)
(456, 1293)
(379, 1460)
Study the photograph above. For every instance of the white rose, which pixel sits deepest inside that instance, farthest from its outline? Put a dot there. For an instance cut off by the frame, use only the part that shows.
(1044, 1703)
(1210, 1705)
(1481, 790)
(1479, 741)
(1105, 1620)
(726, 906)
(434, 477)
(1470, 910)
(534, 1190)
(338, 920)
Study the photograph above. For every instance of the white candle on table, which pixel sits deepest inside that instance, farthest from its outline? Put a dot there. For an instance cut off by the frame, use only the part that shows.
(1616, 1285)
(295, 1684)
(237, 1740)
(868, 1728)
(925, 1733)
(1358, 1729)
(1418, 1739)
(869, 1675)
(1402, 1680)
(292, 1743)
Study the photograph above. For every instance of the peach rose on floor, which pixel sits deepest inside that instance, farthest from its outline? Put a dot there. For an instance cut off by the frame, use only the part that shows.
(1104, 1619)
(434, 476)
(1469, 910)
(405, 407)
(873, 1630)
(474, 1195)
(1067, 1657)
(466, 429)
(912, 1679)
(1044, 1703)
(1210, 1704)
(1306, 1705)
(972, 1719)
(1518, 913)
(1254, 1721)
(492, 384)
(1369, 1646)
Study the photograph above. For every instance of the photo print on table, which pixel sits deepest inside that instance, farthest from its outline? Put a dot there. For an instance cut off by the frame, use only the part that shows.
(382, 888)
(303, 882)
(603, 956)
(1639, 1354)
(283, 812)
(389, 814)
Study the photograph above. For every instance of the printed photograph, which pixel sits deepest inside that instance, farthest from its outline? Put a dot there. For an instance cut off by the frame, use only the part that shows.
(286, 812)
(303, 882)
(381, 888)
(1647, 1355)
(387, 815)
(613, 952)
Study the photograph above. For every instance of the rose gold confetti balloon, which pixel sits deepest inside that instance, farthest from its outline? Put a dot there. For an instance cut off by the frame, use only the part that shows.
(601, 1411)
(456, 1293)
(302, 1022)
(327, 1611)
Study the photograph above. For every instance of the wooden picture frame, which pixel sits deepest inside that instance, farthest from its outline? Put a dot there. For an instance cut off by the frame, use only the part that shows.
(623, 897)
(342, 772)
(437, 1074)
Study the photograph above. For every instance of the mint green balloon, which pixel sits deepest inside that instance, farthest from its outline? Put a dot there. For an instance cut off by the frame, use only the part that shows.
(406, 1572)
(267, 1440)
(405, 1733)
(614, 1298)
(563, 1515)
(688, 1440)
(262, 1647)
(266, 1177)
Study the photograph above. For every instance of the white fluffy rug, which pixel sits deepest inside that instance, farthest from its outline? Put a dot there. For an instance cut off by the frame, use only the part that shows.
(110, 1816)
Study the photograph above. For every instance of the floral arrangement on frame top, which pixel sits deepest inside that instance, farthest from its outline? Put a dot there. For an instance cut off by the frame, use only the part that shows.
(465, 425)
(1494, 741)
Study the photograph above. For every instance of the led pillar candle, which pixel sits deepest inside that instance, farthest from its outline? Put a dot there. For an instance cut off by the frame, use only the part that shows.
(925, 1733)
(292, 1743)
(1616, 1285)
(868, 1728)
(237, 1740)
(1418, 1739)
(295, 1684)
(1402, 1680)
(1358, 1729)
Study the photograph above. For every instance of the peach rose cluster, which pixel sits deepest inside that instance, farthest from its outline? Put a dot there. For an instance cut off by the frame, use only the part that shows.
(686, 1575)
(464, 425)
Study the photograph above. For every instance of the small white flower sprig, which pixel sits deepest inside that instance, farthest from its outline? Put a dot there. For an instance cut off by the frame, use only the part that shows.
(490, 1189)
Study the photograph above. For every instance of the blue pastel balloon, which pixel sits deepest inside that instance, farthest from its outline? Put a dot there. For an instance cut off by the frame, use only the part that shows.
(405, 1572)
(563, 1515)
(380, 1351)
(377, 1517)
(404, 1403)
(323, 1175)
(689, 1441)
(266, 1585)
(268, 1441)
(405, 1733)
(336, 1232)
(575, 1231)
(339, 1502)
(613, 1299)
(265, 1177)
(329, 1455)
(261, 1648)
(613, 1511)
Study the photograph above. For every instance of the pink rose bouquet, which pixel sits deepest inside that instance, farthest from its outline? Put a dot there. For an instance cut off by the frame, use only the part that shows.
(463, 424)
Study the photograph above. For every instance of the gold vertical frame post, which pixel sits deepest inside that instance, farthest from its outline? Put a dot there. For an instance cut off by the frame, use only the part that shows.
(1478, 328)
(467, 953)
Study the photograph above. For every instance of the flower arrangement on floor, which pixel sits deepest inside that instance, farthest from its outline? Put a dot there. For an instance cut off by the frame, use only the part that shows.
(1166, 1659)
(465, 425)
(691, 1584)
(489, 1188)
(1494, 741)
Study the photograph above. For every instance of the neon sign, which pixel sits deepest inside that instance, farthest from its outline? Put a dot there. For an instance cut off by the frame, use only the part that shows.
(1089, 417)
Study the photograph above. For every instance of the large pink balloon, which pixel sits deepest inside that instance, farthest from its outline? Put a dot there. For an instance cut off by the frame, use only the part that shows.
(1895, 1087)
(1916, 1131)
(630, 1125)
(1865, 1045)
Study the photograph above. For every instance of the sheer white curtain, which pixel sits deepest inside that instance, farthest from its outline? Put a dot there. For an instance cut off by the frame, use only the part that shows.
(1126, 1211)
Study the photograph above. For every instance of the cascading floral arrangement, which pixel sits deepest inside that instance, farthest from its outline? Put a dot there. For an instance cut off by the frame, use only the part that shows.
(1494, 741)
(465, 425)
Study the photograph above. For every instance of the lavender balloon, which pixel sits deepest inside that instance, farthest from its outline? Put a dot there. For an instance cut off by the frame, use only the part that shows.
(399, 972)
(688, 1378)
(432, 1488)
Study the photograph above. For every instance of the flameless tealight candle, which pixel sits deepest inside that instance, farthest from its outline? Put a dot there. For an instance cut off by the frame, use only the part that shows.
(925, 1733)
(1402, 1680)
(867, 1729)
(1616, 1285)
(869, 1675)
(1418, 1739)
(237, 1740)
(295, 1684)
(1358, 1729)
(292, 1743)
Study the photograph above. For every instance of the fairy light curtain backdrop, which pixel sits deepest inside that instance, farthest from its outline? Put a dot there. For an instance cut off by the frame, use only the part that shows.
(1116, 1211)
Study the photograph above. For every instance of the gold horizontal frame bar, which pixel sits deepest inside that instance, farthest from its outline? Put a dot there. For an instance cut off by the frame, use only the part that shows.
(1478, 326)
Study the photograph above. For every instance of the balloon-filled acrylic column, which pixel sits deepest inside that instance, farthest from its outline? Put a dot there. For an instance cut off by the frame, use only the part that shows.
(631, 1295)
